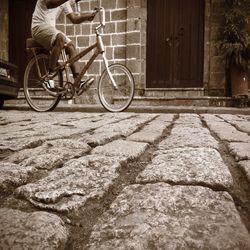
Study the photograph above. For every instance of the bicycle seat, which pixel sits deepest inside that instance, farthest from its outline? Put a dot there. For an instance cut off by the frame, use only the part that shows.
(31, 43)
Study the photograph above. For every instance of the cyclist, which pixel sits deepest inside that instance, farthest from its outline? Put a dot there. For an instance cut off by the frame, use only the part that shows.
(43, 30)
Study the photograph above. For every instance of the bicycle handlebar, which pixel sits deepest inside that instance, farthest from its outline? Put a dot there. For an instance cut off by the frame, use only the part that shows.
(100, 10)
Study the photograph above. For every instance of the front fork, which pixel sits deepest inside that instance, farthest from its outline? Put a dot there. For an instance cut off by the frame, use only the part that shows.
(105, 60)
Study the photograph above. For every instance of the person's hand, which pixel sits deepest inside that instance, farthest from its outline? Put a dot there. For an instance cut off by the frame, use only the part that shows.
(91, 16)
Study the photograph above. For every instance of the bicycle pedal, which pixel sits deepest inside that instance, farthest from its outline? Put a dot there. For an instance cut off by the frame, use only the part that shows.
(84, 86)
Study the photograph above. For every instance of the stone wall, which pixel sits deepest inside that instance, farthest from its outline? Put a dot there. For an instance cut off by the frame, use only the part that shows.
(125, 39)
(124, 36)
(214, 62)
(4, 31)
(214, 72)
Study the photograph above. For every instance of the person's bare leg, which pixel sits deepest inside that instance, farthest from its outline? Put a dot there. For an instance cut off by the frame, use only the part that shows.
(71, 51)
(55, 52)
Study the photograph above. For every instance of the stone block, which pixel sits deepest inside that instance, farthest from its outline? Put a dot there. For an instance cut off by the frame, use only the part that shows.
(13, 175)
(133, 37)
(37, 230)
(123, 149)
(188, 166)
(83, 41)
(120, 52)
(109, 5)
(70, 30)
(121, 26)
(240, 150)
(118, 15)
(133, 51)
(118, 39)
(160, 216)
(70, 187)
(121, 4)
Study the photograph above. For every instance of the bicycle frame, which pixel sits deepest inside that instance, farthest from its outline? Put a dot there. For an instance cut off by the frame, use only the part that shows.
(68, 62)
(99, 49)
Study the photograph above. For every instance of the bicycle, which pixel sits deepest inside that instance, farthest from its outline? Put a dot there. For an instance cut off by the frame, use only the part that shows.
(115, 87)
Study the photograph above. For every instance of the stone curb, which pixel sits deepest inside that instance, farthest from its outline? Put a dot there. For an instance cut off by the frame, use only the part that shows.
(142, 109)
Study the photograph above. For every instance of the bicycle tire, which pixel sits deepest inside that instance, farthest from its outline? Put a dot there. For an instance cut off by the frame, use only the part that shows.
(116, 100)
(36, 95)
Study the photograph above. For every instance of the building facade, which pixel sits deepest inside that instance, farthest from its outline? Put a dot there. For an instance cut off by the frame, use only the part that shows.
(167, 44)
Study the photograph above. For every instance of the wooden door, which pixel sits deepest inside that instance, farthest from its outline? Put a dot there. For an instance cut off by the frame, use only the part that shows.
(175, 43)
(20, 14)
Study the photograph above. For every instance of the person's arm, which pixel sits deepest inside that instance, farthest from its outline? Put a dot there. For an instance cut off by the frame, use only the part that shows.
(54, 3)
(76, 19)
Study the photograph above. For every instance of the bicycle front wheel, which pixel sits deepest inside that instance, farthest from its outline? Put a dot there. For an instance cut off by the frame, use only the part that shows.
(116, 98)
(36, 95)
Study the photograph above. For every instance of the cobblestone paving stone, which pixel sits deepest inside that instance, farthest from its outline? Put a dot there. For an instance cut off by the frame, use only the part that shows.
(159, 216)
(13, 175)
(241, 151)
(226, 131)
(188, 134)
(112, 131)
(153, 131)
(50, 154)
(37, 230)
(69, 187)
(239, 122)
(235, 133)
(36, 132)
(245, 166)
(124, 181)
(120, 148)
(190, 166)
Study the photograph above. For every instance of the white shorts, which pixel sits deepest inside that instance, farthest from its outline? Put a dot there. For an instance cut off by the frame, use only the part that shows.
(45, 35)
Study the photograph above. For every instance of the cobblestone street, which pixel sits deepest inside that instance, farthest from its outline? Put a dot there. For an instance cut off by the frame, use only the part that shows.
(124, 181)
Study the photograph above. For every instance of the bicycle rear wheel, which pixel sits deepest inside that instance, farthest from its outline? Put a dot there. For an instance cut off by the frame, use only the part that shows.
(36, 95)
(116, 99)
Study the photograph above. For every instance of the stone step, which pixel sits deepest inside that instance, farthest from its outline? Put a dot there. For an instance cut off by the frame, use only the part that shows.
(183, 101)
(154, 98)
(22, 100)
(185, 97)
(174, 92)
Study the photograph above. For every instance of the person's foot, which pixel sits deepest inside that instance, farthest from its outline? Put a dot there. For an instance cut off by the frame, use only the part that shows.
(84, 85)
(51, 86)
(51, 83)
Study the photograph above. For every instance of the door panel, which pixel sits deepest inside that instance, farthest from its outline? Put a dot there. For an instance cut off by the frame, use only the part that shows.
(189, 55)
(159, 29)
(175, 43)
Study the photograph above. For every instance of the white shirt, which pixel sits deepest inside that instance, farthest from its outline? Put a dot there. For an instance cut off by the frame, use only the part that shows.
(43, 15)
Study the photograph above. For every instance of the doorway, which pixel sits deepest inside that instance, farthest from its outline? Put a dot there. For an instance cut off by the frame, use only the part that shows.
(175, 43)
(20, 14)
